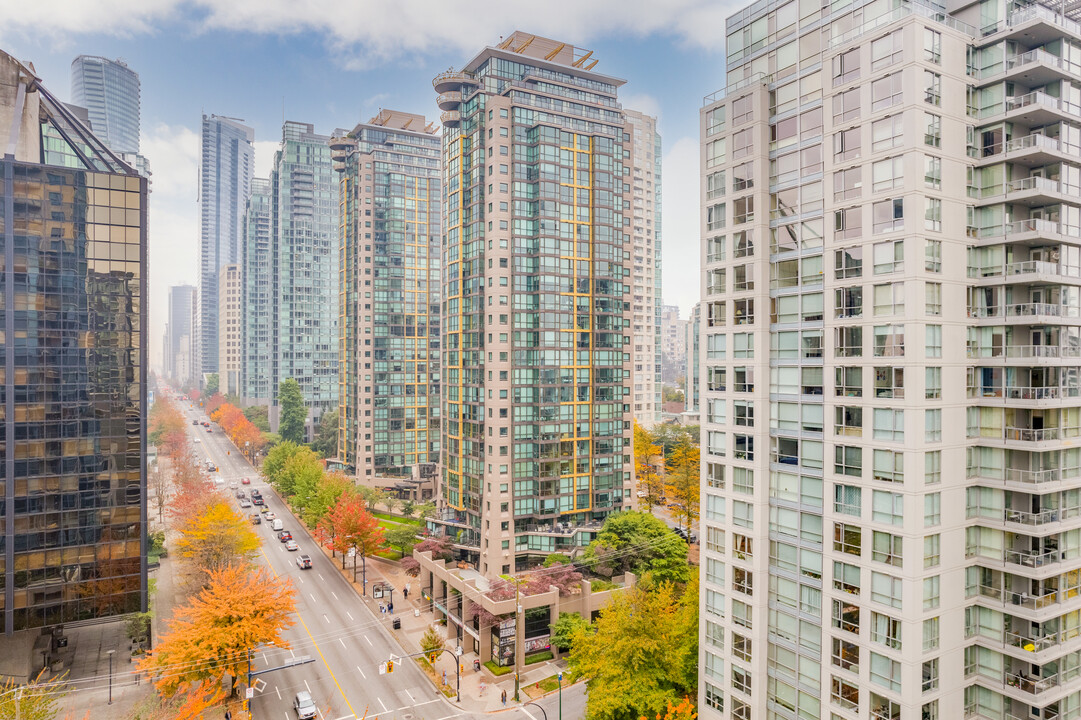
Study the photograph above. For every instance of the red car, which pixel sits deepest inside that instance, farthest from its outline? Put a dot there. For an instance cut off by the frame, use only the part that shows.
(245, 481)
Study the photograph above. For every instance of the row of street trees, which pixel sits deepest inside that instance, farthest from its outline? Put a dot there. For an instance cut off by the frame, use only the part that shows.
(666, 464)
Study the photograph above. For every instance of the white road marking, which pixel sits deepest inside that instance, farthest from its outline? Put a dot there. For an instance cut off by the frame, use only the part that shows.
(278, 691)
(321, 578)
(411, 698)
(385, 709)
(350, 616)
(369, 640)
(448, 717)
(361, 672)
(520, 707)
(308, 686)
(332, 593)
(342, 642)
(300, 579)
(326, 618)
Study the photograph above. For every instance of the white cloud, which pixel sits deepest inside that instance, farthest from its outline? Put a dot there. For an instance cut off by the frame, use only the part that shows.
(681, 268)
(642, 102)
(264, 156)
(57, 18)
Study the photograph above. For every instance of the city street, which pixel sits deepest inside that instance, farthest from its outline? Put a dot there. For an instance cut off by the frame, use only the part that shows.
(346, 640)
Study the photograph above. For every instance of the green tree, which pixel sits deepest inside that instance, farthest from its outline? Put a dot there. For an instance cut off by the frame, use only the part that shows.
(301, 476)
(431, 640)
(565, 628)
(403, 537)
(293, 412)
(37, 700)
(325, 442)
(257, 414)
(653, 630)
(639, 543)
(211, 384)
(316, 501)
(276, 459)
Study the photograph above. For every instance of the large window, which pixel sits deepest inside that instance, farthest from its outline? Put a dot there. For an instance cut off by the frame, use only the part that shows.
(889, 424)
(887, 52)
(846, 67)
(888, 132)
(846, 106)
(889, 341)
(848, 460)
(887, 548)
(889, 215)
(887, 92)
(846, 144)
(887, 507)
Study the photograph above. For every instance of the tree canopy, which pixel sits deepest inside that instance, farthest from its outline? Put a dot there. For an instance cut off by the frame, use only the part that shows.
(648, 468)
(683, 482)
(218, 538)
(639, 543)
(293, 412)
(325, 442)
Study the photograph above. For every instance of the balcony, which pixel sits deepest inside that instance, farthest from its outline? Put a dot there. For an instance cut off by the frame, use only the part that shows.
(1032, 558)
(1034, 24)
(1026, 271)
(1032, 151)
(1021, 599)
(450, 118)
(1033, 68)
(1027, 683)
(1032, 230)
(453, 80)
(449, 100)
(1031, 191)
(1029, 311)
(1038, 108)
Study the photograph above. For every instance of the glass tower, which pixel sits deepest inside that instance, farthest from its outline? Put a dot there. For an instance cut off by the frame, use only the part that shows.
(109, 90)
(258, 319)
(389, 293)
(536, 365)
(73, 409)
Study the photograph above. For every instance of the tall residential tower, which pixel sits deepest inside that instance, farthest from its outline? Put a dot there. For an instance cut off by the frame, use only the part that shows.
(891, 386)
(536, 290)
(110, 92)
(181, 335)
(257, 292)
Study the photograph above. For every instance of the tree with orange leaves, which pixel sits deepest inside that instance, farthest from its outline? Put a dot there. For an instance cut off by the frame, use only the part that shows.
(349, 526)
(216, 538)
(211, 636)
(214, 402)
(684, 711)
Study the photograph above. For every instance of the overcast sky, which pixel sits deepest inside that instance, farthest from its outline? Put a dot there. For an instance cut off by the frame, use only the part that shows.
(335, 63)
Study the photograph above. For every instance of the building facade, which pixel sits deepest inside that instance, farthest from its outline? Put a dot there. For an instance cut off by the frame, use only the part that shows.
(919, 171)
(110, 92)
(230, 329)
(180, 335)
(388, 323)
(691, 391)
(73, 282)
(226, 166)
(258, 297)
(645, 224)
(673, 343)
(536, 368)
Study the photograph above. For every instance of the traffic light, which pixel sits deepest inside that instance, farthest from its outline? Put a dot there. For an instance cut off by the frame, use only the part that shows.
(390, 666)
(461, 668)
(432, 657)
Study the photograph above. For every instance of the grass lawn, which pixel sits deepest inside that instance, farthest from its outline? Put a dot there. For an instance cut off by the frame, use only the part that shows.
(549, 684)
(390, 554)
(399, 519)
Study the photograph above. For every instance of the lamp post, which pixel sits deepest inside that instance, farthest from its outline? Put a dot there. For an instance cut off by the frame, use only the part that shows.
(110, 654)
(560, 695)
(538, 707)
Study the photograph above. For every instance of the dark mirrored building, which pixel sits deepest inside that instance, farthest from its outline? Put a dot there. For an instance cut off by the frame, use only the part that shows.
(72, 384)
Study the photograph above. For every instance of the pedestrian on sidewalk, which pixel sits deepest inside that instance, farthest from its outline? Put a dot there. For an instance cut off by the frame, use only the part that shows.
(228, 715)
(405, 592)
(390, 607)
(504, 698)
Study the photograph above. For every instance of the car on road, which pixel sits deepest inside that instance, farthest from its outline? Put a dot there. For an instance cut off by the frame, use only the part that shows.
(304, 705)
(245, 503)
(285, 536)
(256, 518)
(197, 440)
(194, 422)
(246, 481)
(291, 545)
(257, 501)
(209, 430)
(268, 515)
(304, 562)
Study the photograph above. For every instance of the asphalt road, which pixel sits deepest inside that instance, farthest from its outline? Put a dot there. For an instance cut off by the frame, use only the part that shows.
(345, 639)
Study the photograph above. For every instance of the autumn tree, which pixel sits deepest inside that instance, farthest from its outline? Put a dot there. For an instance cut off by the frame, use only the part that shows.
(215, 400)
(648, 468)
(685, 710)
(349, 526)
(565, 628)
(39, 699)
(218, 538)
(317, 493)
(193, 494)
(653, 630)
(210, 637)
(683, 482)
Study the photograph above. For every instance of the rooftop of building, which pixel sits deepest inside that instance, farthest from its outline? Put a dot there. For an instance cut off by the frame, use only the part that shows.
(547, 53)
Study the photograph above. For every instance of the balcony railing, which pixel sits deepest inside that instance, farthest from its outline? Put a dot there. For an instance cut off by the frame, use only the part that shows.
(1025, 267)
(1038, 55)
(1009, 597)
(1033, 477)
(1036, 98)
(1028, 142)
(1031, 559)
(1031, 434)
(1034, 12)
(1022, 227)
(1040, 642)
(1029, 684)
(1025, 184)
(1019, 310)
(1036, 519)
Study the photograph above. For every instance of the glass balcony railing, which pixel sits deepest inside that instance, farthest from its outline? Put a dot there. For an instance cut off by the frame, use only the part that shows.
(1032, 685)
(1019, 434)
(1025, 227)
(1032, 558)
(1028, 184)
(1019, 599)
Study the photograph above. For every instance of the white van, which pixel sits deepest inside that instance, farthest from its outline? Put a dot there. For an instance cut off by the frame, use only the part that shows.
(276, 526)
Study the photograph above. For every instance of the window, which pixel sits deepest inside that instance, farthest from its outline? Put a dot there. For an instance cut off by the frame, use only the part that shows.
(744, 311)
(844, 694)
(741, 647)
(932, 88)
(744, 379)
(741, 614)
(742, 109)
(741, 143)
(886, 92)
(743, 210)
(932, 425)
(889, 340)
(887, 548)
(931, 592)
(848, 302)
(930, 634)
(846, 145)
(889, 257)
(889, 132)
(932, 172)
(932, 256)
(743, 481)
(744, 415)
(848, 421)
(743, 447)
(741, 679)
(932, 214)
(714, 539)
(932, 132)
(742, 580)
(930, 675)
(933, 298)
(932, 510)
(932, 550)
(847, 538)
(846, 67)
(932, 46)
(846, 616)
(889, 466)
(846, 578)
(849, 341)
(885, 672)
(846, 106)
(743, 177)
(714, 698)
(743, 245)
(847, 499)
(848, 184)
(889, 215)
(715, 185)
(887, 52)
(889, 299)
(886, 589)
(848, 263)
(848, 223)
(715, 120)
(885, 630)
(742, 711)
(932, 467)
(887, 507)
(887, 174)
(849, 382)
(848, 460)
(742, 547)
(932, 383)
(933, 341)
(846, 655)
(715, 216)
(889, 382)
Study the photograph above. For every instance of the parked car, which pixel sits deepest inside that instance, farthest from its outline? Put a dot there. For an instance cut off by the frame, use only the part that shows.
(304, 705)
(245, 503)
(291, 545)
(256, 518)
(197, 440)
(304, 562)
(285, 536)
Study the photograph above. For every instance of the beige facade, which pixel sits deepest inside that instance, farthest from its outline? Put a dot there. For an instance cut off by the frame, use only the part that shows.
(230, 345)
(891, 254)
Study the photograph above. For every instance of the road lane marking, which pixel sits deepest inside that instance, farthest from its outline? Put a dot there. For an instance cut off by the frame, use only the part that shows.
(300, 579)
(411, 698)
(342, 642)
(321, 578)
(326, 618)
(520, 707)
(317, 649)
(369, 640)
(385, 708)
(361, 672)
(448, 717)
(278, 691)
(350, 616)
(308, 686)
(332, 593)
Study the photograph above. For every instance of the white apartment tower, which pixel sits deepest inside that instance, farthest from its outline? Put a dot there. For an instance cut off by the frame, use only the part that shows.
(230, 329)
(891, 363)
(645, 231)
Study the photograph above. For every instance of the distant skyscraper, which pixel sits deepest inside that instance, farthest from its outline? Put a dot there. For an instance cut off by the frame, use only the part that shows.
(673, 343)
(258, 297)
(227, 162)
(536, 369)
(229, 329)
(389, 294)
(109, 90)
(75, 350)
(181, 334)
(645, 217)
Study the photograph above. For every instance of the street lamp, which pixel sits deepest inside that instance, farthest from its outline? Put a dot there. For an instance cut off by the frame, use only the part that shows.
(538, 707)
(560, 695)
(110, 654)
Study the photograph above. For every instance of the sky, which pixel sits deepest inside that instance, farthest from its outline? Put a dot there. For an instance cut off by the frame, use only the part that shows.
(335, 63)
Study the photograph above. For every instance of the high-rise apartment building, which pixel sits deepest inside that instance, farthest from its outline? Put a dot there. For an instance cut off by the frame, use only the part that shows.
(536, 367)
(226, 165)
(388, 322)
(72, 327)
(257, 296)
(180, 335)
(645, 225)
(110, 92)
(230, 329)
(891, 231)
(692, 393)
